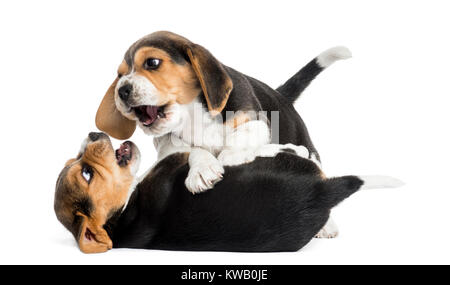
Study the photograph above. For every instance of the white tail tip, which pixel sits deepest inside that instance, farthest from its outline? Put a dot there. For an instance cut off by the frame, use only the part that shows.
(333, 54)
(380, 181)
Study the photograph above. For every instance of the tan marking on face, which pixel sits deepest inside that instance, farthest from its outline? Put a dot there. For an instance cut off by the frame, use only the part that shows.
(70, 161)
(110, 183)
(174, 82)
(107, 190)
(238, 120)
(123, 68)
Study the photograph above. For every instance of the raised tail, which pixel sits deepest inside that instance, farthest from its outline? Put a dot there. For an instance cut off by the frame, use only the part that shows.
(332, 191)
(297, 83)
(380, 181)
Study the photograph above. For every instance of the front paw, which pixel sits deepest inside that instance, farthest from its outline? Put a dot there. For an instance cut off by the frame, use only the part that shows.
(203, 176)
(230, 157)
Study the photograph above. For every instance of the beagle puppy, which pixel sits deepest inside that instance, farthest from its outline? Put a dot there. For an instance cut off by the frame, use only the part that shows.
(178, 92)
(278, 202)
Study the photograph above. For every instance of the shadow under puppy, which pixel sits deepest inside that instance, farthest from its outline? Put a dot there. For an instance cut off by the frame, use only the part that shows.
(275, 203)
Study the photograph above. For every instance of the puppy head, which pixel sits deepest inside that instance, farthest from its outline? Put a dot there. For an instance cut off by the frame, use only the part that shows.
(160, 73)
(93, 187)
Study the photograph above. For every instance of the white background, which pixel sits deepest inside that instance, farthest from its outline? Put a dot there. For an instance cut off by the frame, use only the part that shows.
(385, 111)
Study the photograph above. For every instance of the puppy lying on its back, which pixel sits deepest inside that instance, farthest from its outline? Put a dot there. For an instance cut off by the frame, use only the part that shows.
(180, 93)
(278, 202)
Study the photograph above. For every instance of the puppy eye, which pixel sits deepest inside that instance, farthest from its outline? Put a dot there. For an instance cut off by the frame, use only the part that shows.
(87, 173)
(152, 63)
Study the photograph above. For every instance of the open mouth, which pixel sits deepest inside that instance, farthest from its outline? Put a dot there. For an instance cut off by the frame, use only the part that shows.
(148, 114)
(124, 154)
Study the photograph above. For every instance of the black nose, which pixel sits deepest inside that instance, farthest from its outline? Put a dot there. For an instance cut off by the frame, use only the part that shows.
(95, 136)
(125, 91)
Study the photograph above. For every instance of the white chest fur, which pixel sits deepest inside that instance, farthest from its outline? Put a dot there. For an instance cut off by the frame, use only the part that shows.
(201, 130)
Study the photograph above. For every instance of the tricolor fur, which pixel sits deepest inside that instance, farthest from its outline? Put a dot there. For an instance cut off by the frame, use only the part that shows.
(277, 202)
(164, 78)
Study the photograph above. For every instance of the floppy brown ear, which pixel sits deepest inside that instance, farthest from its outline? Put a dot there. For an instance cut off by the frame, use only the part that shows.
(110, 120)
(92, 237)
(214, 80)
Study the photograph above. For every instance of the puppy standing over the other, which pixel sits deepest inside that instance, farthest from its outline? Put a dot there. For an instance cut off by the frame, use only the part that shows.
(166, 82)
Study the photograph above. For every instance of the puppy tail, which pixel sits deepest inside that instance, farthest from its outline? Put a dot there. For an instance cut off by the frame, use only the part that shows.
(380, 181)
(332, 191)
(297, 83)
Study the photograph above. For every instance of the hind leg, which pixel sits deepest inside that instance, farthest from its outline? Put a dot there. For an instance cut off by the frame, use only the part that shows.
(330, 230)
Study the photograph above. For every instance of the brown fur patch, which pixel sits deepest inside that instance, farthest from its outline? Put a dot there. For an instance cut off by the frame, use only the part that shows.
(123, 68)
(215, 82)
(110, 120)
(174, 82)
(178, 82)
(239, 119)
(107, 190)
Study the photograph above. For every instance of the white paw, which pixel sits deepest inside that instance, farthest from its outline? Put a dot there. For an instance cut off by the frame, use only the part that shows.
(203, 175)
(230, 157)
(330, 230)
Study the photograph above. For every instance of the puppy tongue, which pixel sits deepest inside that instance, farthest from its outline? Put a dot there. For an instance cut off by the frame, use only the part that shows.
(152, 113)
